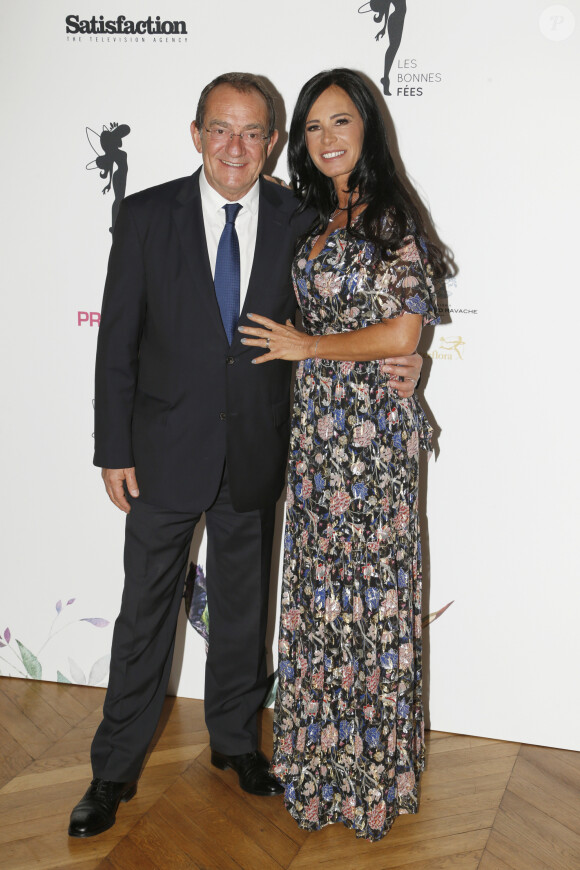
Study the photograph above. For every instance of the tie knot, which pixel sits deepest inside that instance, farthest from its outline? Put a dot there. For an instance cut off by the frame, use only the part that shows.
(232, 209)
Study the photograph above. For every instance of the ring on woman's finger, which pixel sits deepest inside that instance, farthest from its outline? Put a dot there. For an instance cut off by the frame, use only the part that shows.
(267, 342)
(413, 381)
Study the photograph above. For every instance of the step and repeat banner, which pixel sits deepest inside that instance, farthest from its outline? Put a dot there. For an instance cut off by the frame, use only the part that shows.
(483, 119)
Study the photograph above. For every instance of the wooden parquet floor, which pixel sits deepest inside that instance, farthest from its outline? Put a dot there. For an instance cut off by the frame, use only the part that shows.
(484, 803)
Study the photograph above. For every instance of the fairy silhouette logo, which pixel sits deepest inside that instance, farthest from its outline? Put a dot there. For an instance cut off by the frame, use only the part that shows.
(392, 12)
(111, 160)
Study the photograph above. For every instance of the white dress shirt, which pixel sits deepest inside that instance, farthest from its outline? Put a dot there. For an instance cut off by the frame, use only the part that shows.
(214, 219)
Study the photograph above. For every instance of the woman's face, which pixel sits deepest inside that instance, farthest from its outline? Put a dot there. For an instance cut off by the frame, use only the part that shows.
(334, 135)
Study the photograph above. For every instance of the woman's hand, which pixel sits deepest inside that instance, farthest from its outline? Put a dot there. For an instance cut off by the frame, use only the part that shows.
(404, 373)
(275, 180)
(281, 340)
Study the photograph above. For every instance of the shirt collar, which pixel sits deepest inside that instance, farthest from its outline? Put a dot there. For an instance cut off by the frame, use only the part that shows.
(215, 201)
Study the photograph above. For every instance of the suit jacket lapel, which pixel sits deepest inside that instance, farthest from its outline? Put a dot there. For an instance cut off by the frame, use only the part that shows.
(188, 219)
(270, 226)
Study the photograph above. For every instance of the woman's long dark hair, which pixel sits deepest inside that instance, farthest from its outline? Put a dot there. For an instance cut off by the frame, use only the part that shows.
(374, 177)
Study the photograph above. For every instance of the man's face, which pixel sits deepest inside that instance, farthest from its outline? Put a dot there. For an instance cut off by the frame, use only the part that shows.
(232, 166)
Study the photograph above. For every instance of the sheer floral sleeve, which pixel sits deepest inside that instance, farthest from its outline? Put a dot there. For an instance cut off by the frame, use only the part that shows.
(403, 285)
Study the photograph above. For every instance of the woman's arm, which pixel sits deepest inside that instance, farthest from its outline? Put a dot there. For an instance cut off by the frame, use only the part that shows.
(398, 336)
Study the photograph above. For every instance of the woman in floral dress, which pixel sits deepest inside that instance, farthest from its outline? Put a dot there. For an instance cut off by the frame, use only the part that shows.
(348, 729)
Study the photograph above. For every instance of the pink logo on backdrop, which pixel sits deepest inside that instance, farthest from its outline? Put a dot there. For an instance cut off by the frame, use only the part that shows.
(88, 318)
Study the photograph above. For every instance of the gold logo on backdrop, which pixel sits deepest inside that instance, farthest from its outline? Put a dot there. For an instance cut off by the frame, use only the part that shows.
(450, 348)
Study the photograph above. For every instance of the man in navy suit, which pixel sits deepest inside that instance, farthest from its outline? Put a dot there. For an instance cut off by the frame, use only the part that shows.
(186, 425)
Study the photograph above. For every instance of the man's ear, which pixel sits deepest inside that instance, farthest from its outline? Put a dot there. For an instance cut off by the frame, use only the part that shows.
(195, 135)
(271, 143)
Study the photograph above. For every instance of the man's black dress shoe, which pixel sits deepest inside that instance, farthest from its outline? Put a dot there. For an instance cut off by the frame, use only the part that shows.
(96, 810)
(253, 772)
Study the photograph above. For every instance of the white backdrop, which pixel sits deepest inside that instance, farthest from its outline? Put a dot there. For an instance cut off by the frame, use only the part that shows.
(491, 143)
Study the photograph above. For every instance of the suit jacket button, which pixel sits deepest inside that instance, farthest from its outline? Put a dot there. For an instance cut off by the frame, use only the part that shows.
(222, 415)
(230, 360)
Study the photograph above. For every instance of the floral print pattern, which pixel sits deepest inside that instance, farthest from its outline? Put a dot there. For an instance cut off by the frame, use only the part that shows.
(348, 729)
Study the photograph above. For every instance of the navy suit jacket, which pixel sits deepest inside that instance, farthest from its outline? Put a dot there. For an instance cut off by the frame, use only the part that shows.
(172, 397)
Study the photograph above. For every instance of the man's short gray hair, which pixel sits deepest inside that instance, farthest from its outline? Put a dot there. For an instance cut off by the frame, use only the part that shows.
(243, 82)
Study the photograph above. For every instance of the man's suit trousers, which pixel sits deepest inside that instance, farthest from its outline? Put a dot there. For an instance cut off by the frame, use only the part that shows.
(157, 543)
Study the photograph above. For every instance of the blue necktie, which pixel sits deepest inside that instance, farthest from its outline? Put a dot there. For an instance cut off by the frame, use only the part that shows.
(227, 272)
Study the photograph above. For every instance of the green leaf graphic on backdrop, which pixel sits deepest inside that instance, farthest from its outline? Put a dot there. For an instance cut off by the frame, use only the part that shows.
(99, 670)
(76, 673)
(271, 690)
(60, 678)
(30, 662)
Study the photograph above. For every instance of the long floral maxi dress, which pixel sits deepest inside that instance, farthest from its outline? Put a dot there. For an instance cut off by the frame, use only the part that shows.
(348, 728)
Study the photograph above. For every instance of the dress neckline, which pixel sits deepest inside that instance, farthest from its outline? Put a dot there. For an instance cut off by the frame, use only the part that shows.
(325, 245)
(311, 259)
